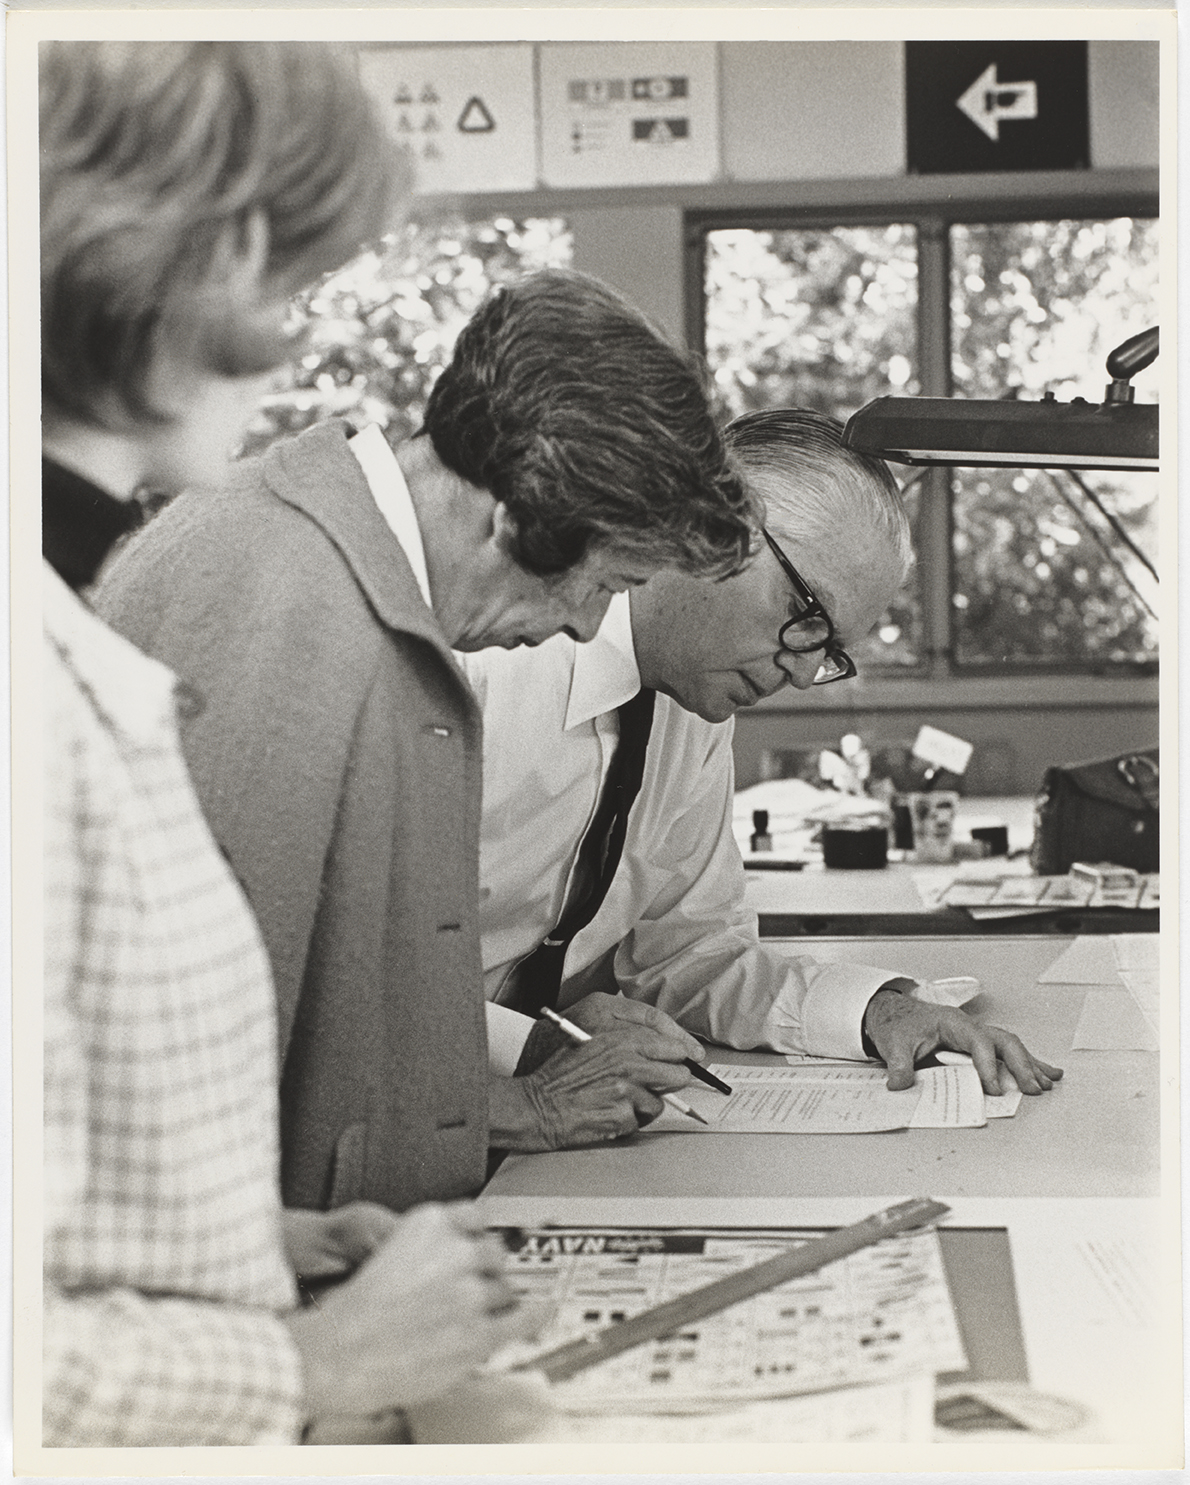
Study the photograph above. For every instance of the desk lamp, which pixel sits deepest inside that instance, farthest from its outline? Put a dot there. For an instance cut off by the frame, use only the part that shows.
(1117, 433)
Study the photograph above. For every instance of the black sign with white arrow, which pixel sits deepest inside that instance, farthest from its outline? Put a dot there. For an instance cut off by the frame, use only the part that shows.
(996, 105)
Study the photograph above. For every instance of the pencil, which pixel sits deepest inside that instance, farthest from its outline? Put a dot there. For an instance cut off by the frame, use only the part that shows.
(579, 1036)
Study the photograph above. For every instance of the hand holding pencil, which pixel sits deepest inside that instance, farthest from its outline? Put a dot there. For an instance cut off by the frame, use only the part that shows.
(580, 1037)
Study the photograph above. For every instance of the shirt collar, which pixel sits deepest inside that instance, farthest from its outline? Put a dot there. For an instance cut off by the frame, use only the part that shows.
(391, 494)
(605, 673)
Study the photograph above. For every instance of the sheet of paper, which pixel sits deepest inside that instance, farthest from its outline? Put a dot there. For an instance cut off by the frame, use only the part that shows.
(810, 1098)
(1138, 957)
(882, 1313)
(888, 1413)
(1089, 960)
(951, 1098)
(1136, 950)
(1117, 897)
(815, 1096)
(1112, 1022)
(979, 914)
(995, 1106)
(956, 991)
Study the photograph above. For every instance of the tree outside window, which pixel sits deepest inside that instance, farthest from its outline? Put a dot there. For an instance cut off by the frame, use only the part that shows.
(378, 331)
(826, 317)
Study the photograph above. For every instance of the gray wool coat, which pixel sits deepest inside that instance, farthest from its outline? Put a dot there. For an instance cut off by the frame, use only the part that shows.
(336, 750)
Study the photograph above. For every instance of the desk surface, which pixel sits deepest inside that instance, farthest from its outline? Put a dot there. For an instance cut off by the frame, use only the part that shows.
(1095, 1134)
(1097, 1303)
(818, 903)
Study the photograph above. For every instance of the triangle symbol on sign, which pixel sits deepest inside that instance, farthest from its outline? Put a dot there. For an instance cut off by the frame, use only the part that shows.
(475, 118)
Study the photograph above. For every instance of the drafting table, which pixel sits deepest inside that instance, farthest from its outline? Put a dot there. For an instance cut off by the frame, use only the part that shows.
(1095, 1134)
(1089, 1315)
(1065, 1195)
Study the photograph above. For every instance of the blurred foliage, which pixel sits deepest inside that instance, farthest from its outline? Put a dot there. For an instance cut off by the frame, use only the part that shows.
(1037, 306)
(377, 332)
(827, 319)
(824, 319)
(809, 318)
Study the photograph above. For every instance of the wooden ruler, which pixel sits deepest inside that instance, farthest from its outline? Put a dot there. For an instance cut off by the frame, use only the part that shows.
(575, 1356)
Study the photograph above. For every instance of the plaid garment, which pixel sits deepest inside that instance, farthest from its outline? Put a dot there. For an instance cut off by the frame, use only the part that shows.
(165, 1274)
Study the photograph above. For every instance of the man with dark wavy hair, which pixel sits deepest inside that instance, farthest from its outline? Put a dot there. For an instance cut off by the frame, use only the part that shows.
(568, 454)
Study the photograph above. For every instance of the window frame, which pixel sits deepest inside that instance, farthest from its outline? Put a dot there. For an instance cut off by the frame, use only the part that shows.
(931, 205)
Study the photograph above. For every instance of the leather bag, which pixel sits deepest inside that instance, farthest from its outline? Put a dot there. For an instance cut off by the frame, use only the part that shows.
(1108, 810)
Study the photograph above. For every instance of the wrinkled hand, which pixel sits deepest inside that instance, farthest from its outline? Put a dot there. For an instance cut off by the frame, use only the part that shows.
(582, 1095)
(417, 1317)
(903, 1030)
(320, 1245)
(651, 1032)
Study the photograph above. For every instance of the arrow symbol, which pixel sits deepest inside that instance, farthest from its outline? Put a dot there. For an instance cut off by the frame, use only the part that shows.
(988, 100)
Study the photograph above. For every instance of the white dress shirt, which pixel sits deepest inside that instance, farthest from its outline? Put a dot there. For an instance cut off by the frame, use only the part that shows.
(165, 1277)
(673, 929)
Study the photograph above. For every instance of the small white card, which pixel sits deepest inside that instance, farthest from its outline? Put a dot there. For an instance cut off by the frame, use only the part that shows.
(943, 750)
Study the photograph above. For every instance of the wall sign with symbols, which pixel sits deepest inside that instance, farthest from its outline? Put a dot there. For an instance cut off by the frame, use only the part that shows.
(996, 105)
(465, 113)
(629, 114)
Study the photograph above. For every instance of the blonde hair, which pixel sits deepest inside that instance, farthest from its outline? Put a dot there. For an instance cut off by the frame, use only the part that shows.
(187, 190)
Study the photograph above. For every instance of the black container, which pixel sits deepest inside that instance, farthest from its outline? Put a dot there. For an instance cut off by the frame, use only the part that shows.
(855, 850)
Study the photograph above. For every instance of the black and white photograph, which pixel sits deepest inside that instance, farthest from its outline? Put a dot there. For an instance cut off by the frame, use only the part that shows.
(586, 803)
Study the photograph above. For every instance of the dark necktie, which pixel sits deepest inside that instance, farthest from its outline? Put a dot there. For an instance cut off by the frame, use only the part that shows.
(539, 977)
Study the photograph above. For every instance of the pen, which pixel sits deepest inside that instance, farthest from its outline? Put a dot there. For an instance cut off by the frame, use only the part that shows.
(578, 1035)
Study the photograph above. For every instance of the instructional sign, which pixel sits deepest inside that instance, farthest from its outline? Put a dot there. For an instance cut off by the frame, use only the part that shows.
(996, 105)
(465, 113)
(629, 114)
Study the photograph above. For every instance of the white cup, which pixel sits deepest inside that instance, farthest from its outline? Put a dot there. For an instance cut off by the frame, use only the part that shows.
(933, 825)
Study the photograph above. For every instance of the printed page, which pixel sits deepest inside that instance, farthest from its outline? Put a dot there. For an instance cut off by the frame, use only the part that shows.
(815, 1096)
(810, 1098)
(951, 1098)
(882, 1313)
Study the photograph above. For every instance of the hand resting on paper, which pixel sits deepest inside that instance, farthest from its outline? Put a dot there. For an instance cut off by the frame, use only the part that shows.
(903, 1030)
(565, 1095)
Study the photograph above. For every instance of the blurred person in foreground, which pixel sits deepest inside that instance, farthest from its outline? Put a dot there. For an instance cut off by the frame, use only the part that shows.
(568, 453)
(673, 936)
(187, 190)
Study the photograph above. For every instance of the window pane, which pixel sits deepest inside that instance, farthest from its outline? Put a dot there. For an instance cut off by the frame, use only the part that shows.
(1034, 583)
(1041, 578)
(811, 318)
(380, 329)
(801, 317)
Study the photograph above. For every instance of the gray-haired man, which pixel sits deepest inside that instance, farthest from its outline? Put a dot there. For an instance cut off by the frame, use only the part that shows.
(673, 934)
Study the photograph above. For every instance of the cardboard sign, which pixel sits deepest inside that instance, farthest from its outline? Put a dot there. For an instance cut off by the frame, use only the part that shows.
(465, 113)
(629, 114)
